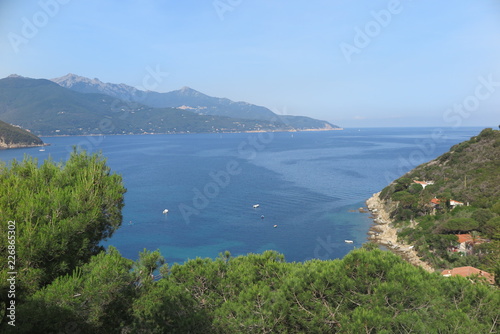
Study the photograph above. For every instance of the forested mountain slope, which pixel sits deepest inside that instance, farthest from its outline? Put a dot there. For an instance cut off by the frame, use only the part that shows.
(190, 99)
(13, 137)
(47, 109)
(460, 196)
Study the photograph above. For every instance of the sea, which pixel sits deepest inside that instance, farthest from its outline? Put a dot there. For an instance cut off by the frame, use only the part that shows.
(298, 193)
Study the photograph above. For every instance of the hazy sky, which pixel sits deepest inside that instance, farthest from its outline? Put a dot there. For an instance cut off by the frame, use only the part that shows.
(353, 63)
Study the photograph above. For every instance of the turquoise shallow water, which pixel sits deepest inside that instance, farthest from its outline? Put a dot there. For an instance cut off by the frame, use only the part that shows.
(306, 183)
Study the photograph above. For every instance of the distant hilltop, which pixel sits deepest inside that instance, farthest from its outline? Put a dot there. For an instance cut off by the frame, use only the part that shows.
(75, 105)
(15, 137)
(189, 99)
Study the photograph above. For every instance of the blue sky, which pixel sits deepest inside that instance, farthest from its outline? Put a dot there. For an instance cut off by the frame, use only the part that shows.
(353, 63)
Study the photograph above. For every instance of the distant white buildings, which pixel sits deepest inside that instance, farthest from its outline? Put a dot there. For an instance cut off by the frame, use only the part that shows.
(436, 201)
(424, 183)
(454, 203)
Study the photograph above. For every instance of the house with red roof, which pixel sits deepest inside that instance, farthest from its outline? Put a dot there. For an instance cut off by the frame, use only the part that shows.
(469, 271)
(464, 241)
(435, 201)
(464, 238)
(454, 203)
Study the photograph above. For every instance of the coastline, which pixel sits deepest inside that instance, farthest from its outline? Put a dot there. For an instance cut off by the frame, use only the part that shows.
(384, 233)
(13, 146)
(182, 132)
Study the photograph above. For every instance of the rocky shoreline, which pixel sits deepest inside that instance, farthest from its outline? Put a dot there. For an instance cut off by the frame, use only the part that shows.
(187, 132)
(5, 146)
(384, 233)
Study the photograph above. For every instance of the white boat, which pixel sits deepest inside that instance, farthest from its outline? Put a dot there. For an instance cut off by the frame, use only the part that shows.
(348, 241)
(275, 226)
(165, 211)
(255, 206)
(42, 150)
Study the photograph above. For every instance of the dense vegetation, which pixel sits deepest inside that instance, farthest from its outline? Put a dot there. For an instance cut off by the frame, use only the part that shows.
(196, 101)
(468, 173)
(67, 284)
(367, 291)
(12, 136)
(62, 212)
(47, 109)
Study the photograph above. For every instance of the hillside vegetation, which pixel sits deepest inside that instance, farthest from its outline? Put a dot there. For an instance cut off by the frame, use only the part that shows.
(12, 136)
(190, 99)
(47, 109)
(430, 217)
(66, 283)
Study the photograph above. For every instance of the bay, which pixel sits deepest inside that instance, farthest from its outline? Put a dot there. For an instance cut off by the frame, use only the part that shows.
(306, 184)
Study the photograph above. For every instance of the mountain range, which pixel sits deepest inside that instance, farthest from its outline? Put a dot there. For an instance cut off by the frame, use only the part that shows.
(73, 105)
(186, 98)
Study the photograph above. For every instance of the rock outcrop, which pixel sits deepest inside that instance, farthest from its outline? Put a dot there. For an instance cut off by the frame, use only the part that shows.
(384, 233)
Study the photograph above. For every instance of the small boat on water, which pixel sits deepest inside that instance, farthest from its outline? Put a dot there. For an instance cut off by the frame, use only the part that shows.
(165, 211)
(275, 226)
(255, 206)
(348, 241)
(42, 150)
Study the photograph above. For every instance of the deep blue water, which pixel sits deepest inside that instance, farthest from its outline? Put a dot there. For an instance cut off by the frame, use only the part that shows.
(306, 183)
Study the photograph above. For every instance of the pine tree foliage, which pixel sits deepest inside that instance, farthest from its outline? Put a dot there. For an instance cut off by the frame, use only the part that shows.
(368, 291)
(62, 212)
(68, 284)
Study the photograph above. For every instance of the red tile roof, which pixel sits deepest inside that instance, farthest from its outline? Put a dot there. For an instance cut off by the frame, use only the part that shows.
(435, 201)
(463, 238)
(468, 271)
